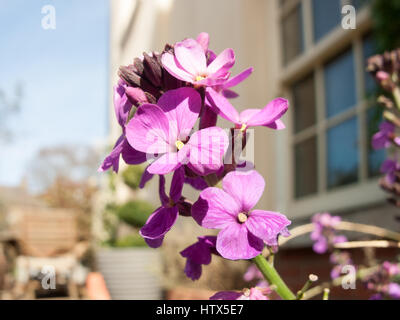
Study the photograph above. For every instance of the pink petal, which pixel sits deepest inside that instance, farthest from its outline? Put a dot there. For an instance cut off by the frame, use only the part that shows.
(234, 81)
(247, 114)
(222, 106)
(270, 113)
(235, 243)
(148, 130)
(277, 125)
(222, 64)
(207, 149)
(190, 55)
(215, 209)
(170, 63)
(246, 187)
(203, 39)
(165, 164)
(266, 225)
(229, 94)
(182, 108)
(159, 223)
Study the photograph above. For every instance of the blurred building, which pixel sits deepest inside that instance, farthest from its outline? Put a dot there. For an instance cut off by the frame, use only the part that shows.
(323, 160)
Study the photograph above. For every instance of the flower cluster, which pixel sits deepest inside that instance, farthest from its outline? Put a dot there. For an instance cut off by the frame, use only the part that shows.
(385, 282)
(167, 105)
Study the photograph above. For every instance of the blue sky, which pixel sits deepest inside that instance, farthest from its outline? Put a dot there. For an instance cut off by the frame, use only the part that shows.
(64, 73)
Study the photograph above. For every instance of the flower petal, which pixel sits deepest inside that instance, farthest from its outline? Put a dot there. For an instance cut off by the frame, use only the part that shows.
(154, 243)
(235, 242)
(222, 64)
(207, 150)
(277, 125)
(159, 223)
(165, 164)
(182, 108)
(267, 225)
(190, 55)
(226, 295)
(112, 160)
(246, 187)
(146, 177)
(221, 105)
(270, 113)
(193, 270)
(148, 130)
(177, 184)
(234, 81)
(203, 39)
(215, 209)
(170, 63)
(132, 156)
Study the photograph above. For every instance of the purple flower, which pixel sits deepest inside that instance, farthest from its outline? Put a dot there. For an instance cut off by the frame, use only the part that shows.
(164, 129)
(189, 63)
(247, 294)
(393, 290)
(390, 167)
(392, 269)
(162, 220)
(269, 116)
(385, 136)
(243, 230)
(122, 107)
(324, 233)
(198, 254)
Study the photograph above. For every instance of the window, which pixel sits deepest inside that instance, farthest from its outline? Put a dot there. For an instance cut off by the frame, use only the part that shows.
(326, 15)
(292, 34)
(332, 118)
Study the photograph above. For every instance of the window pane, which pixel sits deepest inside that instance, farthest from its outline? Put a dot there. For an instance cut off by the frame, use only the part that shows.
(340, 86)
(375, 157)
(327, 15)
(342, 154)
(306, 167)
(304, 103)
(369, 49)
(292, 35)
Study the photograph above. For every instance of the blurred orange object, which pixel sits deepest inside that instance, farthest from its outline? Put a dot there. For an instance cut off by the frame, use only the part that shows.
(96, 287)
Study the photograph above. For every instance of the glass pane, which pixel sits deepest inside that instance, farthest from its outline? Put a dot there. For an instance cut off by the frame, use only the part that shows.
(342, 154)
(375, 157)
(327, 15)
(292, 35)
(306, 167)
(340, 84)
(369, 49)
(304, 103)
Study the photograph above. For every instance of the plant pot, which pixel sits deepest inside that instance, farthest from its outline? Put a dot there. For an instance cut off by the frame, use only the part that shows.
(131, 273)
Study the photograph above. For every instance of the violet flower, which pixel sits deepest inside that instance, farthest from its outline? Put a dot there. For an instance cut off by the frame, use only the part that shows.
(164, 129)
(122, 108)
(163, 218)
(385, 136)
(189, 63)
(390, 167)
(393, 290)
(198, 254)
(269, 116)
(247, 294)
(324, 233)
(243, 230)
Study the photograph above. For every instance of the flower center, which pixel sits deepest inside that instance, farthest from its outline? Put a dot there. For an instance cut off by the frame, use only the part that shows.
(179, 144)
(199, 78)
(244, 127)
(246, 292)
(242, 217)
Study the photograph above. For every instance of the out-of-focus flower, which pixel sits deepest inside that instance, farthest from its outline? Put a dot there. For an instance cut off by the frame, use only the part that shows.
(382, 67)
(385, 136)
(198, 254)
(243, 230)
(324, 233)
(385, 281)
(247, 294)
(339, 259)
(122, 108)
(393, 290)
(162, 220)
(269, 116)
(253, 273)
(390, 168)
(163, 129)
(392, 269)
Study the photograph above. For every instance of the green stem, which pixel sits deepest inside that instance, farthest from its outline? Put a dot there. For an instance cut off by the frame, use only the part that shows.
(273, 277)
